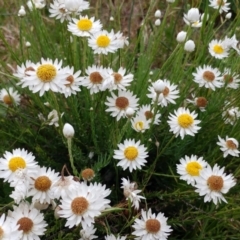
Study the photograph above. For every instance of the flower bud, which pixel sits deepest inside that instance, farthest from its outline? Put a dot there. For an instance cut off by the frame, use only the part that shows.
(189, 46)
(181, 37)
(68, 130)
(228, 15)
(157, 22)
(158, 14)
(21, 12)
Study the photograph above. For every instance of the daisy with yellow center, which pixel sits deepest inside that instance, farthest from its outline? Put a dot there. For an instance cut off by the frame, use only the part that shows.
(118, 104)
(219, 49)
(140, 124)
(208, 77)
(44, 76)
(30, 221)
(104, 42)
(151, 226)
(228, 146)
(213, 183)
(131, 155)
(40, 187)
(84, 204)
(183, 122)
(84, 26)
(11, 163)
(190, 168)
(9, 97)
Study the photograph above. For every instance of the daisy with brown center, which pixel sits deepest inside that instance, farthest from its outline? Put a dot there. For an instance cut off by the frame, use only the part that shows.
(30, 221)
(208, 77)
(104, 42)
(200, 102)
(190, 168)
(44, 76)
(131, 155)
(230, 114)
(183, 122)
(229, 146)
(118, 104)
(57, 10)
(9, 97)
(221, 5)
(148, 113)
(213, 183)
(87, 174)
(88, 233)
(18, 160)
(84, 26)
(219, 49)
(95, 78)
(74, 81)
(151, 226)
(231, 79)
(84, 204)
(163, 92)
(40, 187)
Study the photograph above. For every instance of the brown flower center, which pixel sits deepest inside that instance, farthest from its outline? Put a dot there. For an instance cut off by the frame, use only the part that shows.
(117, 77)
(208, 76)
(228, 78)
(1, 233)
(87, 174)
(165, 91)
(201, 102)
(70, 79)
(79, 205)
(7, 99)
(230, 144)
(148, 115)
(220, 3)
(43, 183)
(95, 78)
(25, 224)
(153, 226)
(215, 183)
(122, 103)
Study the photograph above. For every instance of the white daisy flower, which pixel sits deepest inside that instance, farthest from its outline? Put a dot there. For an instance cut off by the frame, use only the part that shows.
(117, 80)
(30, 220)
(53, 118)
(200, 102)
(76, 7)
(208, 77)
(221, 5)
(122, 40)
(212, 183)
(118, 104)
(40, 187)
(47, 75)
(164, 92)
(231, 79)
(19, 159)
(229, 146)
(9, 229)
(193, 18)
(95, 78)
(88, 233)
(84, 204)
(131, 155)
(9, 97)
(151, 226)
(74, 80)
(231, 114)
(84, 26)
(104, 42)
(58, 10)
(183, 122)
(190, 168)
(219, 49)
(131, 192)
(148, 113)
(112, 237)
(140, 123)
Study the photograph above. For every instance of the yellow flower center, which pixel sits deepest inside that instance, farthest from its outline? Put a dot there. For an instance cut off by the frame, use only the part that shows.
(1, 233)
(87, 174)
(117, 77)
(193, 168)
(70, 79)
(95, 78)
(131, 153)
(103, 41)
(185, 120)
(139, 125)
(46, 72)
(84, 24)
(153, 226)
(231, 145)
(43, 183)
(25, 224)
(208, 76)
(7, 99)
(215, 183)
(79, 205)
(122, 103)
(218, 49)
(16, 163)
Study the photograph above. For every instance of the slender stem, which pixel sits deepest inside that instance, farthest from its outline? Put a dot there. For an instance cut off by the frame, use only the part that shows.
(69, 141)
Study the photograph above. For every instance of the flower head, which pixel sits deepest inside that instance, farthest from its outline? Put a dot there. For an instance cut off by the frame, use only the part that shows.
(230, 114)
(68, 130)
(193, 18)
(88, 233)
(219, 49)
(58, 10)
(112, 237)
(221, 5)
(229, 146)
(147, 113)
(231, 79)
(9, 97)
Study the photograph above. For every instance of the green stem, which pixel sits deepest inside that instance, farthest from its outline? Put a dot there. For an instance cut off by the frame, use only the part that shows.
(69, 141)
